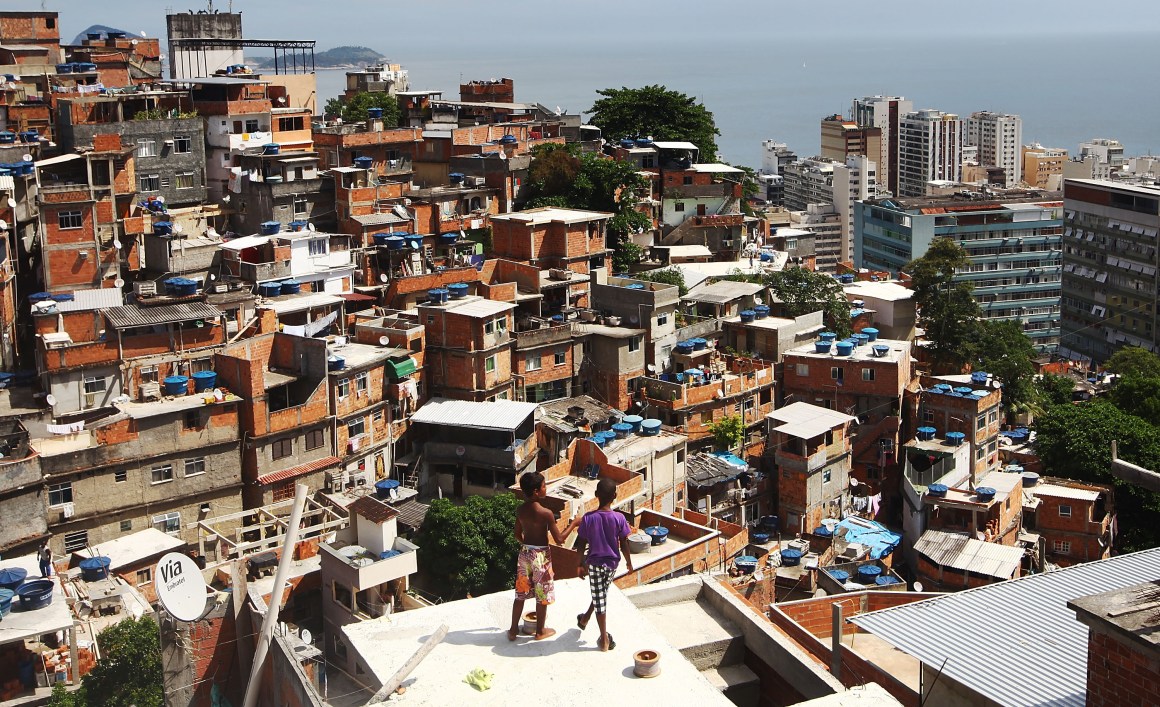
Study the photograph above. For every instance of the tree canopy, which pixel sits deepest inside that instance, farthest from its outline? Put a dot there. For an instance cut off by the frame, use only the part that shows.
(1134, 360)
(355, 109)
(1051, 389)
(803, 291)
(656, 111)
(728, 432)
(128, 673)
(947, 308)
(667, 276)
(470, 548)
(1074, 442)
(1004, 351)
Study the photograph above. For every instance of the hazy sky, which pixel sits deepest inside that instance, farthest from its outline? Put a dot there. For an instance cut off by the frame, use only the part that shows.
(395, 28)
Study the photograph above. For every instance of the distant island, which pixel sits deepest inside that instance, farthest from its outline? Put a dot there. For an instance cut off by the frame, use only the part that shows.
(337, 58)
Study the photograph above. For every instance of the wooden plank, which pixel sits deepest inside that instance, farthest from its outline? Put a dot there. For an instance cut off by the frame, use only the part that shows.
(397, 679)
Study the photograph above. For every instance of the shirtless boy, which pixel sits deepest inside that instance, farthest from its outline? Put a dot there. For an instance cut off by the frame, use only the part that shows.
(534, 567)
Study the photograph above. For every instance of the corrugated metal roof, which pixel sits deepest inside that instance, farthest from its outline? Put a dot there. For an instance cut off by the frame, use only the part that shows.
(1057, 491)
(963, 552)
(411, 513)
(133, 316)
(807, 421)
(88, 300)
(300, 470)
(1014, 642)
(7, 183)
(497, 415)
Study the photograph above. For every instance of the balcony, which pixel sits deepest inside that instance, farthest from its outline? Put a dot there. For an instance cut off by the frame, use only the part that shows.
(363, 570)
(543, 336)
(261, 272)
(511, 457)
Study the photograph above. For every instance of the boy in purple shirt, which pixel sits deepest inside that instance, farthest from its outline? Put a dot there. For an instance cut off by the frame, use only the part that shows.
(602, 537)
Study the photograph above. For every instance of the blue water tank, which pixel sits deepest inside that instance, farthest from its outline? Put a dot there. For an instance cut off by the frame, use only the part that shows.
(11, 577)
(634, 422)
(770, 523)
(176, 385)
(845, 347)
(634, 286)
(384, 488)
(871, 333)
(95, 568)
(37, 594)
(761, 311)
(628, 144)
(271, 228)
(598, 440)
(456, 177)
(650, 428)
(685, 347)
(374, 113)
(382, 238)
(269, 289)
(271, 148)
(827, 336)
(64, 68)
(880, 350)
(984, 493)
(508, 140)
(866, 574)
(162, 228)
(299, 225)
(6, 601)
(926, 433)
(394, 242)
(823, 531)
(7, 137)
(955, 438)
(758, 537)
(203, 381)
(335, 363)
(885, 579)
(937, 490)
(457, 290)
(622, 429)
(290, 287)
(822, 347)
(860, 339)
(746, 563)
(846, 279)
(791, 557)
(748, 315)
(839, 576)
(699, 344)
(448, 238)
(658, 533)
(364, 162)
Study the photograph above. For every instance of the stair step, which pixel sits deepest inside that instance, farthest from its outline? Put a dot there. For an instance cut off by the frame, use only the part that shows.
(737, 682)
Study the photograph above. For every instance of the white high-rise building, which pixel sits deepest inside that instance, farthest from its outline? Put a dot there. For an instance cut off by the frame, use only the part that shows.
(999, 138)
(854, 181)
(884, 113)
(929, 149)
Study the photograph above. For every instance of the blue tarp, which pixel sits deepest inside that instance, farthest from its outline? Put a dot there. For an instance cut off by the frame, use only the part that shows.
(875, 536)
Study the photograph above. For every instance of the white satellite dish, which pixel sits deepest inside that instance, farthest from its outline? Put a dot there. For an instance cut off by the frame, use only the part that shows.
(918, 586)
(12, 203)
(143, 33)
(651, 368)
(12, 85)
(50, 399)
(3, 225)
(180, 587)
(117, 245)
(119, 282)
(305, 635)
(211, 232)
(310, 227)
(26, 157)
(178, 228)
(414, 245)
(134, 42)
(282, 100)
(400, 211)
(160, 200)
(383, 340)
(383, 278)
(226, 199)
(212, 277)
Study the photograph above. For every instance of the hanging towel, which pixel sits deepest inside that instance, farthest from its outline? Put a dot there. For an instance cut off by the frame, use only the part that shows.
(875, 501)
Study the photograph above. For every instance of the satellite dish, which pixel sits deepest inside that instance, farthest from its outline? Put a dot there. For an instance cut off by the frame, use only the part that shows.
(160, 199)
(3, 225)
(414, 245)
(178, 228)
(652, 368)
(26, 157)
(757, 300)
(12, 203)
(117, 245)
(50, 399)
(282, 100)
(134, 42)
(143, 33)
(226, 199)
(12, 85)
(180, 587)
(383, 278)
(384, 340)
(311, 227)
(918, 586)
(400, 211)
(211, 232)
(119, 282)
(212, 277)
(305, 635)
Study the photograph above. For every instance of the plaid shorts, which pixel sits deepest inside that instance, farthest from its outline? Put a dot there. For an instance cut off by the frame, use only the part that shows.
(599, 577)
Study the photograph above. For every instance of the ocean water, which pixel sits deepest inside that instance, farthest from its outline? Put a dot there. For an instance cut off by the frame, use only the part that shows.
(1067, 87)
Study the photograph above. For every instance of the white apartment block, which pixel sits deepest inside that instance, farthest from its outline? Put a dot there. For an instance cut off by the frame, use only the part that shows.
(854, 181)
(884, 113)
(929, 149)
(999, 138)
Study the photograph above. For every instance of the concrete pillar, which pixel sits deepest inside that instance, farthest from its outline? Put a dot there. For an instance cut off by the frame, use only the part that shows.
(73, 658)
(836, 640)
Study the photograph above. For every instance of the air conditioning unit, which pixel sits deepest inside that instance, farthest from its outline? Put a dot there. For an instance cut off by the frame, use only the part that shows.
(145, 288)
(335, 481)
(476, 181)
(150, 391)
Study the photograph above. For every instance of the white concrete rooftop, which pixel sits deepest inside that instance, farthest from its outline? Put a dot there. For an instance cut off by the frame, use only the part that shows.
(567, 669)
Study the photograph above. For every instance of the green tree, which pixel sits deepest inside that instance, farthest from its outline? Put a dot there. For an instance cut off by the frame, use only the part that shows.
(1004, 351)
(355, 109)
(1139, 396)
(1051, 389)
(667, 276)
(947, 309)
(1133, 360)
(656, 111)
(728, 432)
(472, 547)
(626, 256)
(129, 672)
(63, 698)
(803, 291)
(1074, 442)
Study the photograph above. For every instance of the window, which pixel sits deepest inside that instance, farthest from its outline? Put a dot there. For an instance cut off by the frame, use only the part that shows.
(60, 494)
(928, 415)
(120, 476)
(150, 182)
(356, 428)
(360, 383)
(634, 344)
(1063, 547)
(836, 373)
(301, 207)
(315, 439)
(318, 246)
(185, 180)
(533, 362)
(76, 541)
(146, 147)
(827, 476)
(144, 576)
(195, 467)
(343, 388)
(679, 206)
(291, 123)
(1064, 511)
(560, 358)
(149, 374)
(489, 364)
(489, 326)
(95, 385)
(192, 420)
(501, 324)
(69, 219)
(803, 369)
(127, 525)
(182, 144)
(162, 474)
(168, 522)
(981, 422)
(377, 417)
(252, 125)
(283, 491)
(282, 448)
(662, 319)
(867, 374)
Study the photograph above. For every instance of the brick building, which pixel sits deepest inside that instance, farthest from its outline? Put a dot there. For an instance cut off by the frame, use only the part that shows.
(469, 348)
(651, 306)
(1123, 659)
(1073, 518)
(966, 404)
(811, 448)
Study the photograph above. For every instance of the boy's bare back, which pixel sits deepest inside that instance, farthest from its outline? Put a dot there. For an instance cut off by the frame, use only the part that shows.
(534, 522)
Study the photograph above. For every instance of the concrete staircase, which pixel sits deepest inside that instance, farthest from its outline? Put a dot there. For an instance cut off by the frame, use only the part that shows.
(713, 644)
